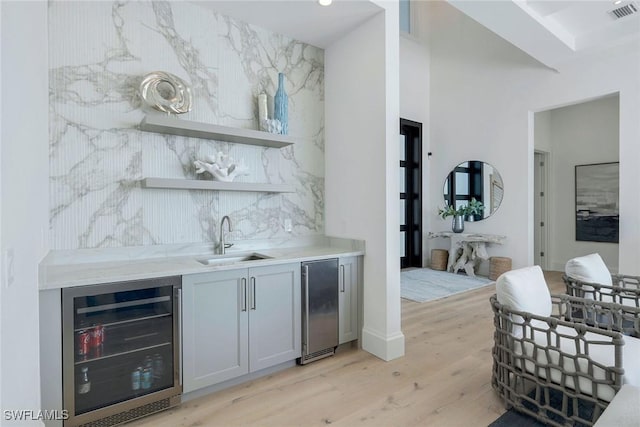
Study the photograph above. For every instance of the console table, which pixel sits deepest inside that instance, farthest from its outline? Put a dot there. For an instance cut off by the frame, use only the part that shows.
(466, 249)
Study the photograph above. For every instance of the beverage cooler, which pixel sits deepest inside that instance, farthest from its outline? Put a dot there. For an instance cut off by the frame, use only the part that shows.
(121, 352)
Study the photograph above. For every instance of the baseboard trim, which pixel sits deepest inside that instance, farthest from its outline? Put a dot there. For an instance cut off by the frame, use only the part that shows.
(385, 347)
(238, 380)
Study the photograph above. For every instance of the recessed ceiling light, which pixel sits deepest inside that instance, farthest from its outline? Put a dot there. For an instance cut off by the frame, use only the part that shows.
(617, 2)
(328, 2)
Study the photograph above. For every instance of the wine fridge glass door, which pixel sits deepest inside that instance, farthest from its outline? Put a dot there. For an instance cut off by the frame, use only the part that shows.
(120, 345)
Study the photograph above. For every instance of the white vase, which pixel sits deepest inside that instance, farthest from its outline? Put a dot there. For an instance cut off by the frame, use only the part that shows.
(262, 108)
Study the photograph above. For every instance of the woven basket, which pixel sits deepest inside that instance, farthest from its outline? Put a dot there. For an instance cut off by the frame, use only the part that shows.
(498, 265)
(439, 258)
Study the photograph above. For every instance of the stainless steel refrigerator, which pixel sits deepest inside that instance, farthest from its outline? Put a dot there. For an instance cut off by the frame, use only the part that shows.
(319, 309)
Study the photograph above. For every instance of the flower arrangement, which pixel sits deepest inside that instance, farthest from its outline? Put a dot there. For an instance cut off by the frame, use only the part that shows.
(474, 207)
(450, 211)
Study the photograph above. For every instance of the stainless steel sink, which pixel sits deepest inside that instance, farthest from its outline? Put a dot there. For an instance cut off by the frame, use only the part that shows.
(232, 258)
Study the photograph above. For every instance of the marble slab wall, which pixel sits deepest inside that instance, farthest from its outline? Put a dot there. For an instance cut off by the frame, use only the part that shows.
(98, 54)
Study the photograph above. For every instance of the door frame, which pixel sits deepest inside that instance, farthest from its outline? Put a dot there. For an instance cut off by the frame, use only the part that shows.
(541, 202)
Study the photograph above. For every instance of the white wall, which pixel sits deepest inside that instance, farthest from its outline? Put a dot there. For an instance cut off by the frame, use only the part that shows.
(414, 69)
(414, 105)
(2, 254)
(98, 55)
(24, 209)
(478, 82)
(542, 131)
(414, 81)
(584, 133)
(361, 157)
(483, 95)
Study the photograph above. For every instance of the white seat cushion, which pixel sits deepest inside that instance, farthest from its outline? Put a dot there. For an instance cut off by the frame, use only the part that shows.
(602, 354)
(524, 289)
(592, 269)
(589, 268)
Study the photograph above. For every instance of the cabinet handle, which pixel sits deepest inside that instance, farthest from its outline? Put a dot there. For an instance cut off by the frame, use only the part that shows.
(177, 372)
(115, 306)
(342, 271)
(306, 302)
(253, 286)
(243, 296)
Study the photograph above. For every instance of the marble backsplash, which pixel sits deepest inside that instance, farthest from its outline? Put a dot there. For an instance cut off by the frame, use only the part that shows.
(98, 54)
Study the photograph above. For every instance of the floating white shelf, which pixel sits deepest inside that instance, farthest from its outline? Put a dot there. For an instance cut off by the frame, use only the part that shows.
(173, 126)
(197, 184)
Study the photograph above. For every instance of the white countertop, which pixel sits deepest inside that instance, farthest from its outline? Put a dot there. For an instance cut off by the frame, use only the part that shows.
(66, 271)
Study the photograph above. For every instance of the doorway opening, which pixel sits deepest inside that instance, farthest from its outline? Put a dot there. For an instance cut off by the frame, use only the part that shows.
(410, 194)
(566, 137)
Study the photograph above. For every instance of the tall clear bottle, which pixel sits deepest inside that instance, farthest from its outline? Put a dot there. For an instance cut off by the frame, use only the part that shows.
(84, 385)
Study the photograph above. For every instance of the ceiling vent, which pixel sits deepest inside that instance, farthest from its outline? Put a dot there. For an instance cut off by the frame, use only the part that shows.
(626, 10)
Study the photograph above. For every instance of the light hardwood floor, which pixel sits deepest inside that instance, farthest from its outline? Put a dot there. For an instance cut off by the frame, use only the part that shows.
(443, 379)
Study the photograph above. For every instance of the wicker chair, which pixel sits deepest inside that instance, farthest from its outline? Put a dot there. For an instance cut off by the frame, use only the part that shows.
(548, 362)
(588, 277)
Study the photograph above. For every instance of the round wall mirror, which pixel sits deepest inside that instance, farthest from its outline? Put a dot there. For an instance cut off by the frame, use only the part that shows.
(474, 179)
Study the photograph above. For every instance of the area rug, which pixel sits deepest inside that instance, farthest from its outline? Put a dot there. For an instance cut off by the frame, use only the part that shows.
(513, 418)
(424, 284)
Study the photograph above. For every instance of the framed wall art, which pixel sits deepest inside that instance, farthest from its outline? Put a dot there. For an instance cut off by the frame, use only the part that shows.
(597, 202)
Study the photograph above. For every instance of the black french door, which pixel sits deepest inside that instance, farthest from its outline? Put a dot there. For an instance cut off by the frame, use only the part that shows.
(410, 194)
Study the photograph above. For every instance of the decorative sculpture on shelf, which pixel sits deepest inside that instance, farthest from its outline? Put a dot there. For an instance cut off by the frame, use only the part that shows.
(271, 126)
(166, 92)
(222, 167)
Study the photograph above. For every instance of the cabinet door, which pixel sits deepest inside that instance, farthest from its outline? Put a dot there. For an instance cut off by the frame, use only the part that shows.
(274, 315)
(214, 328)
(348, 300)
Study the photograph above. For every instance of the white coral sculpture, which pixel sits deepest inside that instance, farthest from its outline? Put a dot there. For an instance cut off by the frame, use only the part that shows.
(271, 126)
(222, 167)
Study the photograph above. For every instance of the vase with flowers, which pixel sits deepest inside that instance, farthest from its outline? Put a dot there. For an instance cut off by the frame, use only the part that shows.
(474, 207)
(457, 224)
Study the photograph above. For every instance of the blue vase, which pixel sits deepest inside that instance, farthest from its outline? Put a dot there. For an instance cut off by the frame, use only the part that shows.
(281, 105)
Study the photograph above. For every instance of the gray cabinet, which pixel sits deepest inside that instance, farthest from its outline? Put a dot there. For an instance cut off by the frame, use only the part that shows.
(274, 315)
(215, 343)
(239, 321)
(348, 276)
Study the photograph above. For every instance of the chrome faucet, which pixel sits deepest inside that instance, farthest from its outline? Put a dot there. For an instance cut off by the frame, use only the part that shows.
(222, 245)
